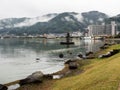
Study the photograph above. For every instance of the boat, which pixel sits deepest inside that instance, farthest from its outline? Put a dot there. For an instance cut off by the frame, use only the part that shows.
(87, 38)
(66, 43)
(1, 37)
(68, 40)
(98, 38)
(92, 38)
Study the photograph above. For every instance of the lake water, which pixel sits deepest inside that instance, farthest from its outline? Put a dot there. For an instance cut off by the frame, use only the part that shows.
(18, 56)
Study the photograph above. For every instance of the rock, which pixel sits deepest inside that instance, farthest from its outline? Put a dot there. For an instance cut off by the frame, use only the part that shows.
(57, 76)
(90, 57)
(100, 56)
(37, 58)
(70, 53)
(110, 53)
(88, 53)
(73, 65)
(36, 77)
(24, 81)
(105, 55)
(48, 76)
(3, 87)
(70, 60)
(61, 55)
(13, 87)
(80, 55)
(84, 57)
(116, 50)
(106, 44)
(104, 47)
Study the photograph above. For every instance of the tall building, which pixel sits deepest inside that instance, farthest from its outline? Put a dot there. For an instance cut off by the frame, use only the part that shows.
(113, 27)
(102, 30)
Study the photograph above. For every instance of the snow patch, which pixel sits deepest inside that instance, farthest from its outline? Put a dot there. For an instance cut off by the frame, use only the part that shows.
(100, 19)
(79, 17)
(91, 21)
(67, 18)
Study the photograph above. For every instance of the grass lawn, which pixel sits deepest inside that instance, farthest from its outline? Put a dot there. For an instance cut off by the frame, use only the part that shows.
(100, 74)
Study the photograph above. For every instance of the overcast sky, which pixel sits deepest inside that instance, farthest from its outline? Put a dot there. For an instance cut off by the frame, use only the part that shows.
(33, 8)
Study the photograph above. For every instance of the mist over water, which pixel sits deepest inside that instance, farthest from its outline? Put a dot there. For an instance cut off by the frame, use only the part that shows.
(18, 57)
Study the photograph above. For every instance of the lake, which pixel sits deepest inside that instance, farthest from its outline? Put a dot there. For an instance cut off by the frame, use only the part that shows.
(20, 57)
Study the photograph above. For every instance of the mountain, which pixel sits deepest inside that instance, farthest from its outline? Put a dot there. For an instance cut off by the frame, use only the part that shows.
(51, 23)
(114, 18)
(94, 17)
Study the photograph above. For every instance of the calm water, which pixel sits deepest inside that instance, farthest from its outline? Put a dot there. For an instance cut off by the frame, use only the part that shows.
(18, 56)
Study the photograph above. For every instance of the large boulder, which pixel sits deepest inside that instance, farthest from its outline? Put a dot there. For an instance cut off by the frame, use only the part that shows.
(89, 53)
(33, 78)
(36, 76)
(3, 87)
(68, 61)
(48, 76)
(80, 55)
(73, 65)
(71, 60)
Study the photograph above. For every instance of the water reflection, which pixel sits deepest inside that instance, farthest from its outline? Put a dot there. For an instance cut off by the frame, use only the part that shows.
(92, 45)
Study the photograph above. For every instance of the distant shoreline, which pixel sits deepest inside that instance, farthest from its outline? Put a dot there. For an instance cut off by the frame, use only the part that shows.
(112, 39)
(4, 37)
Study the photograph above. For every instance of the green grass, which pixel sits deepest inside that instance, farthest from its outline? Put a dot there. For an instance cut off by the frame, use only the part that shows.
(99, 74)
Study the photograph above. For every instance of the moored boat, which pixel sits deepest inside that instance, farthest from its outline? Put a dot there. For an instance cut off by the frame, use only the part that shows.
(87, 38)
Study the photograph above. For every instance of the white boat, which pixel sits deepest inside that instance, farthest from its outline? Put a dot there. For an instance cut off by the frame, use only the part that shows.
(98, 38)
(87, 38)
(1, 38)
(92, 38)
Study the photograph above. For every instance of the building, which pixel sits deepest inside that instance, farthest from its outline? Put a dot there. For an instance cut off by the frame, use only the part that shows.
(102, 30)
(113, 28)
(76, 34)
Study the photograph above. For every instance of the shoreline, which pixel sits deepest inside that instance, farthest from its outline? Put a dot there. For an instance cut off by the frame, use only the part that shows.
(112, 39)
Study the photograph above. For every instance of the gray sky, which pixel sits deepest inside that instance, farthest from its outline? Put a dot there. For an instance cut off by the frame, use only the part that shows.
(33, 8)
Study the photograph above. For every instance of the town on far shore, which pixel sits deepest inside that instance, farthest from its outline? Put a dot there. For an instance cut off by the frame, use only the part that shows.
(91, 32)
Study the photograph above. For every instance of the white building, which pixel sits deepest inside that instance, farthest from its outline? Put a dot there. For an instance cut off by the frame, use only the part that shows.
(102, 30)
(113, 26)
(76, 34)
